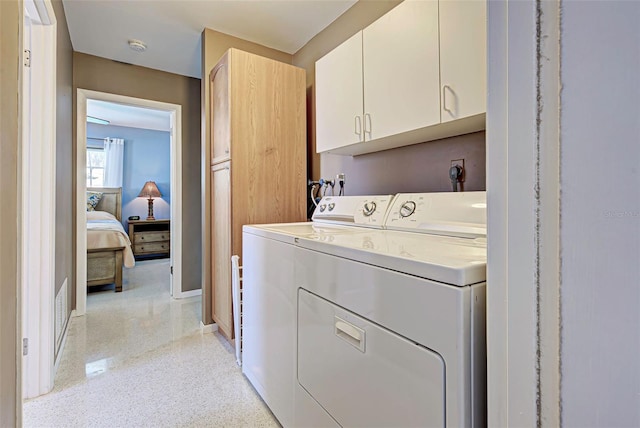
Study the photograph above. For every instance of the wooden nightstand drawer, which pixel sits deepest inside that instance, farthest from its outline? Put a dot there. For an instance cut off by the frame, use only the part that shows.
(151, 247)
(150, 237)
(144, 237)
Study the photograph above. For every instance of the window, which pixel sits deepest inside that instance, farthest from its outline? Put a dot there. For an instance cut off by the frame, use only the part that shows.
(95, 167)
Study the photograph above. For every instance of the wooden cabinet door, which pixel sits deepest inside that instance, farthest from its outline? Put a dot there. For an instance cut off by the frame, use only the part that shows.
(220, 111)
(339, 96)
(401, 70)
(221, 248)
(463, 58)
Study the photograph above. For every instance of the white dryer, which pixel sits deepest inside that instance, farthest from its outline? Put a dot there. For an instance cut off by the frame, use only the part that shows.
(270, 298)
(379, 327)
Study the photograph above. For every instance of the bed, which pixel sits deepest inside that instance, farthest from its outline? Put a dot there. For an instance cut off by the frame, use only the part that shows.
(108, 245)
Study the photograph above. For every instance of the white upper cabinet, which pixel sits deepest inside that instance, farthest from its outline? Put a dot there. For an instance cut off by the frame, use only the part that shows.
(416, 74)
(463, 53)
(401, 70)
(339, 96)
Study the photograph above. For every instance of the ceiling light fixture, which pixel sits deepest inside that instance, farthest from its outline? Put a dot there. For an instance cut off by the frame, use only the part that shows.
(137, 45)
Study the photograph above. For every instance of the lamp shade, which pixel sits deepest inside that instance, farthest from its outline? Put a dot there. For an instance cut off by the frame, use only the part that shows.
(150, 190)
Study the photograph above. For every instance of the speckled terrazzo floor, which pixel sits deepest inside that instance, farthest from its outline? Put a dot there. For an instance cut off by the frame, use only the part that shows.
(139, 359)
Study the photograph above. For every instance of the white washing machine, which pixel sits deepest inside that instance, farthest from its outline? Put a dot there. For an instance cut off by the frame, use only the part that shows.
(371, 327)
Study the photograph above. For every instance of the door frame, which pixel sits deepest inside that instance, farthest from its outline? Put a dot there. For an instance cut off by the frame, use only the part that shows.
(82, 95)
(523, 215)
(38, 177)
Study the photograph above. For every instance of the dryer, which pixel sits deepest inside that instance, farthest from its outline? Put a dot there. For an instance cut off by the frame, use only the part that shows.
(269, 339)
(374, 327)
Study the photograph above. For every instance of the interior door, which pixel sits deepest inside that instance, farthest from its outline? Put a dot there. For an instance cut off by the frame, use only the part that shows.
(221, 305)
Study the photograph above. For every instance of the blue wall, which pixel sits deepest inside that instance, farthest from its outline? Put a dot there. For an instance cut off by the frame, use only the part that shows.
(146, 158)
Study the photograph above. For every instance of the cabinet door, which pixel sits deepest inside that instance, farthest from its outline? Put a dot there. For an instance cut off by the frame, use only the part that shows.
(463, 58)
(339, 96)
(221, 248)
(401, 70)
(220, 111)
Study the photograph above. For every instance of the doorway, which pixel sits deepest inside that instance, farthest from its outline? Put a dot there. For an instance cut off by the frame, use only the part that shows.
(174, 112)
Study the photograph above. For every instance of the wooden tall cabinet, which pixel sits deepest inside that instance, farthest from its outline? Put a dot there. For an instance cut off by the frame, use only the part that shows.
(258, 159)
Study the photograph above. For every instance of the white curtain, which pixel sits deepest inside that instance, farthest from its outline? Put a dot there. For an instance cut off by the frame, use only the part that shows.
(113, 161)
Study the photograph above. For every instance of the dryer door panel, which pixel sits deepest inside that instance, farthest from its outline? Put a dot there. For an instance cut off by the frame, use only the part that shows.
(363, 374)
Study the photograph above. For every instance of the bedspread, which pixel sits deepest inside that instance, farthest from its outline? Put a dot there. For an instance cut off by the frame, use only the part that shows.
(109, 233)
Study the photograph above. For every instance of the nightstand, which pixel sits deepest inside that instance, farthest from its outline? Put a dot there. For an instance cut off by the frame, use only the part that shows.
(150, 237)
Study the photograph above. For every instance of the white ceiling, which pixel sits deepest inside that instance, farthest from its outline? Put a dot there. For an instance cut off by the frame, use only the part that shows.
(171, 29)
(126, 115)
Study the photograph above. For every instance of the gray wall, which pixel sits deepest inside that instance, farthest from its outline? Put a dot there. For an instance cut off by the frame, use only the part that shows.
(104, 75)
(65, 242)
(419, 168)
(600, 214)
(10, 48)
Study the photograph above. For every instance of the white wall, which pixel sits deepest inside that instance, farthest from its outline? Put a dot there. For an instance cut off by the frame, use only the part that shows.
(563, 190)
(600, 213)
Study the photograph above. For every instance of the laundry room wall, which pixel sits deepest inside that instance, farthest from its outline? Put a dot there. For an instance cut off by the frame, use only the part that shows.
(600, 214)
(419, 168)
(104, 75)
(10, 48)
(64, 234)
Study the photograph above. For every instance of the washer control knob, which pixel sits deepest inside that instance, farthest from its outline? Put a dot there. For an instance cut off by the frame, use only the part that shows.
(369, 208)
(332, 206)
(407, 209)
(322, 208)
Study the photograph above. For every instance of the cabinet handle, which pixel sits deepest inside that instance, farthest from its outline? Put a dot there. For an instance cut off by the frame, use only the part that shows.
(444, 98)
(367, 116)
(358, 126)
(226, 151)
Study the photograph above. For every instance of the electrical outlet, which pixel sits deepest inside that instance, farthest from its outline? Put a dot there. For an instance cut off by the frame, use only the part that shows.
(460, 163)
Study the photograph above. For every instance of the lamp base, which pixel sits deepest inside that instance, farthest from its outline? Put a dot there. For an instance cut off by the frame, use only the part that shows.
(150, 214)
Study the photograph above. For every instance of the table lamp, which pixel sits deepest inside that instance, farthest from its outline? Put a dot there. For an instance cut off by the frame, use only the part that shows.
(150, 190)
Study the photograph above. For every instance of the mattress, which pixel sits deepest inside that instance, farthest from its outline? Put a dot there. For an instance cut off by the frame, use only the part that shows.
(105, 231)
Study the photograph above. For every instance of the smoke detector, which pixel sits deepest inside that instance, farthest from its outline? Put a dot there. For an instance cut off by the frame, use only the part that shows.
(137, 45)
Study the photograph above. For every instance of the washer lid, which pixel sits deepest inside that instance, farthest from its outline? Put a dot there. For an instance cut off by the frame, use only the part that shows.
(450, 260)
(290, 232)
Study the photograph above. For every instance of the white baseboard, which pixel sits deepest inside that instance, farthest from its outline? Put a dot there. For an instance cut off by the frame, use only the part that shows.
(209, 328)
(187, 294)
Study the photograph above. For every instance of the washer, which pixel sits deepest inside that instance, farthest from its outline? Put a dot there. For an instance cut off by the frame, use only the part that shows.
(371, 327)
